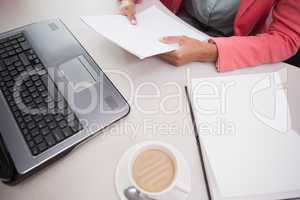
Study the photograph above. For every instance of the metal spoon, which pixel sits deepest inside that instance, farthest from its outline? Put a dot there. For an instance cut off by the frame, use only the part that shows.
(132, 193)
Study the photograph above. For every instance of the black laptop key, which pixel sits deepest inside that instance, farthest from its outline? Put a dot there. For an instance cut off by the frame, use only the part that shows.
(41, 88)
(75, 125)
(22, 125)
(6, 44)
(9, 48)
(11, 53)
(31, 125)
(50, 122)
(27, 118)
(28, 138)
(32, 89)
(45, 93)
(24, 59)
(39, 67)
(52, 125)
(2, 66)
(35, 95)
(67, 132)
(62, 124)
(30, 57)
(48, 118)
(9, 98)
(10, 60)
(37, 118)
(11, 103)
(4, 73)
(38, 139)
(28, 83)
(45, 131)
(19, 68)
(17, 64)
(6, 92)
(35, 78)
(42, 124)
(34, 132)
(27, 100)
(31, 144)
(4, 55)
(19, 50)
(16, 45)
(3, 40)
(58, 117)
(21, 38)
(13, 72)
(38, 83)
(7, 78)
(25, 46)
(10, 68)
(14, 42)
(36, 62)
(50, 140)
(10, 83)
(35, 151)
(42, 146)
(19, 120)
(17, 113)
(58, 134)
(38, 99)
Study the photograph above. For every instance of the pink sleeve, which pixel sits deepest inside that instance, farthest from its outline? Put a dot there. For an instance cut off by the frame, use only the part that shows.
(280, 41)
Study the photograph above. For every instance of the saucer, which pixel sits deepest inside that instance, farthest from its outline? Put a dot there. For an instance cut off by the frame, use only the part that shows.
(122, 178)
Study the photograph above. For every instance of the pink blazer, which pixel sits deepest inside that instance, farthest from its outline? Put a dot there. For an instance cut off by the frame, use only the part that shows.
(257, 41)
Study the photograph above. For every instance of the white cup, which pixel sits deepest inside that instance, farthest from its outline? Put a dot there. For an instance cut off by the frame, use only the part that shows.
(176, 190)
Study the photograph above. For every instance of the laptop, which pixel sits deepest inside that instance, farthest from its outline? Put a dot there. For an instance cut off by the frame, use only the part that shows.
(53, 96)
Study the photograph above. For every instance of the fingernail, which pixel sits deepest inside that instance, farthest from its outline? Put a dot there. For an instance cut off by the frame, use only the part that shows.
(133, 21)
(162, 39)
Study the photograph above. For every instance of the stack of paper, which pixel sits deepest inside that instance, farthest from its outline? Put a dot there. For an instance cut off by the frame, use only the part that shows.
(142, 39)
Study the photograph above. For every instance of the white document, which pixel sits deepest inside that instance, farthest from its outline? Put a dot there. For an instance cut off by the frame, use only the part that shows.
(245, 128)
(142, 39)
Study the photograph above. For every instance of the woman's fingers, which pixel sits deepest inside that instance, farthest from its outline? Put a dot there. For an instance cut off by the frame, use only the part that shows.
(172, 58)
(129, 12)
(167, 58)
(131, 16)
(172, 40)
(132, 19)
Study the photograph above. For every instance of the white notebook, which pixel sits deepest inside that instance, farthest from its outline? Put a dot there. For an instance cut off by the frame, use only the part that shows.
(245, 127)
(142, 40)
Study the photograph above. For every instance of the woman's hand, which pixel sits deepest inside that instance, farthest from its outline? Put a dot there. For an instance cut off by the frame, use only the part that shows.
(191, 50)
(127, 8)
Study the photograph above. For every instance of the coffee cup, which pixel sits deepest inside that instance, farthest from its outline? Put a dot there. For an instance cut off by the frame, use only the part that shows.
(153, 169)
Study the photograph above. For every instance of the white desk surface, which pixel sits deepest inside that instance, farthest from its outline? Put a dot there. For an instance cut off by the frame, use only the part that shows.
(88, 172)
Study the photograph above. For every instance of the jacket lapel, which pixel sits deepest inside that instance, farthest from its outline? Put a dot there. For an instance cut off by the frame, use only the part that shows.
(244, 6)
(173, 5)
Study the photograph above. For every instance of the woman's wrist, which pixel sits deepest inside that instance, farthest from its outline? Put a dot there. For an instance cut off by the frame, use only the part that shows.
(207, 52)
(212, 52)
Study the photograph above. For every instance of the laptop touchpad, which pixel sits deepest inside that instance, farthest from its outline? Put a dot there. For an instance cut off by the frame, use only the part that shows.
(77, 72)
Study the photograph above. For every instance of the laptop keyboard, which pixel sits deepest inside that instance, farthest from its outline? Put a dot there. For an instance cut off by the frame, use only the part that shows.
(41, 112)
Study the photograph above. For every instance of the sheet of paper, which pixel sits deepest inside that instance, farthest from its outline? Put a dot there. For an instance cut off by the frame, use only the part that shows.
(245, 127)
(141, 40)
